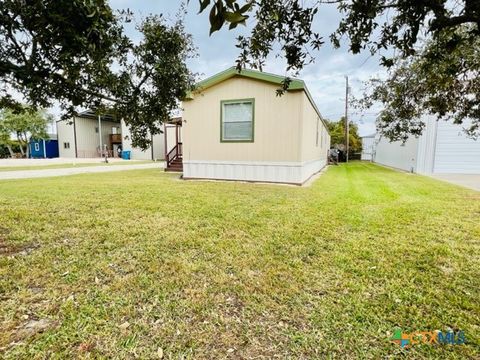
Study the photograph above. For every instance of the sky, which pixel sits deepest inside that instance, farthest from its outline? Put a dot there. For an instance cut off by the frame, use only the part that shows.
(325, 78)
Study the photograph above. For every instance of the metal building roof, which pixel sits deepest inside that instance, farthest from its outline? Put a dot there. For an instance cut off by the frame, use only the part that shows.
(91, 114)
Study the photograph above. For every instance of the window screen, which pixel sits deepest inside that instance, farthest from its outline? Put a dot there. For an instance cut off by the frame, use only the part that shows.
(237, 120)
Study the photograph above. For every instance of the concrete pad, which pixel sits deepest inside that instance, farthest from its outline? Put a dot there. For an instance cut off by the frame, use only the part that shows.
(55, 161)
(471, 181)
(29, 174)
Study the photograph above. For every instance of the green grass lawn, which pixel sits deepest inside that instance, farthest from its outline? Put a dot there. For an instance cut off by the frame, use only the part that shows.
(71, 165)
(140, 264)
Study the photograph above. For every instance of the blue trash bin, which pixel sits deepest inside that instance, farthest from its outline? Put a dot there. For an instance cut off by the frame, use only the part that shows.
(126, 155)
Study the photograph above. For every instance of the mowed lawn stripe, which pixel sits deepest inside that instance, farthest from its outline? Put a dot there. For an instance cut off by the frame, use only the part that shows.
(121, 264)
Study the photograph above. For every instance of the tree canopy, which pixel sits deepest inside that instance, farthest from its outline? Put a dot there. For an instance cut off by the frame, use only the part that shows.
(75, 52)
(153, 78)
(337, 135)
(374, 26)
(53, 50)
(442, 80)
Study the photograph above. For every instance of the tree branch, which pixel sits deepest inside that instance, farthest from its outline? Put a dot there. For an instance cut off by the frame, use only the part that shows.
(19, 49)
(446, 22)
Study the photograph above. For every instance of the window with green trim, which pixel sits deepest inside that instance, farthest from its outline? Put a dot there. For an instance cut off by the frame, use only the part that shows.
(237, 120)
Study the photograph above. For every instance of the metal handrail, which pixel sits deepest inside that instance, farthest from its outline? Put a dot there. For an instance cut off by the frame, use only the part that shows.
(180, 149)
(172, 154)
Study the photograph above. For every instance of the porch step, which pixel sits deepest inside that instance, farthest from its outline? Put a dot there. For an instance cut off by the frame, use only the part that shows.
(175, 165)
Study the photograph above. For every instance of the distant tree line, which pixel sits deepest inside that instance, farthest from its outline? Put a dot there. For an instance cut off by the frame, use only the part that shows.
(337, 137)
(22, 126)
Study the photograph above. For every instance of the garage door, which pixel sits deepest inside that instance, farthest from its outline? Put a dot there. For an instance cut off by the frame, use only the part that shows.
(455, 153)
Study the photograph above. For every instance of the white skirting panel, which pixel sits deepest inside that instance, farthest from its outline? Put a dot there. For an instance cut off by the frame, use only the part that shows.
(279, 172)
(312, 167)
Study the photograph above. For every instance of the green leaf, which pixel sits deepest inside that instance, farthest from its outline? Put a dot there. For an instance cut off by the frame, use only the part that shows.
(216, 17)
(203, 5)
(245, 7)
(235, 17)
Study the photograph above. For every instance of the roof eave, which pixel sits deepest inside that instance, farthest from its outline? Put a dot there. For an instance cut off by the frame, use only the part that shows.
(231, 72)
(295, 84)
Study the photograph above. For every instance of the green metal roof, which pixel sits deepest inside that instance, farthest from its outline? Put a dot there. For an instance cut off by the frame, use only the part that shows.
(295, 84)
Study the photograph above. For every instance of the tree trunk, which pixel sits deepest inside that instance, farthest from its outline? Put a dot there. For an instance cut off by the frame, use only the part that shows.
(27, 145)
(21, 143)
(10, 150)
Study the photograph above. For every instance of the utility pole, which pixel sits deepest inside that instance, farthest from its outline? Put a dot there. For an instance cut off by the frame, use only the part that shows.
(347, 130)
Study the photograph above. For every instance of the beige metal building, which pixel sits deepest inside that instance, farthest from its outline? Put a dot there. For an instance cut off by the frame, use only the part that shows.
(155, 152)
(235, 127)
(80, 137)
(368, 146)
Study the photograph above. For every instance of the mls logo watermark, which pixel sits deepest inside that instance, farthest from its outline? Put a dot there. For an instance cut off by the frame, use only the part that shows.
(435, 337)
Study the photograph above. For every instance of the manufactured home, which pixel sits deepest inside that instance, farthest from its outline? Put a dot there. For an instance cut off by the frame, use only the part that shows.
(235, 127)
(443, 148)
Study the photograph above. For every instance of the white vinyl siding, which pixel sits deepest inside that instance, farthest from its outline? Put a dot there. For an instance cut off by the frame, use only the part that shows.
(237, 120)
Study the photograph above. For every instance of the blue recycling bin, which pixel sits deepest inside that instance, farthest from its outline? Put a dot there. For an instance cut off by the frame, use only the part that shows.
(126, 155)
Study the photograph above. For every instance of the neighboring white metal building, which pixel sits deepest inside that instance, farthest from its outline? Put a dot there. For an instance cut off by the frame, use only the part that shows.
(368, 143)
(443, 148)
(80, 137)
(154, 152)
